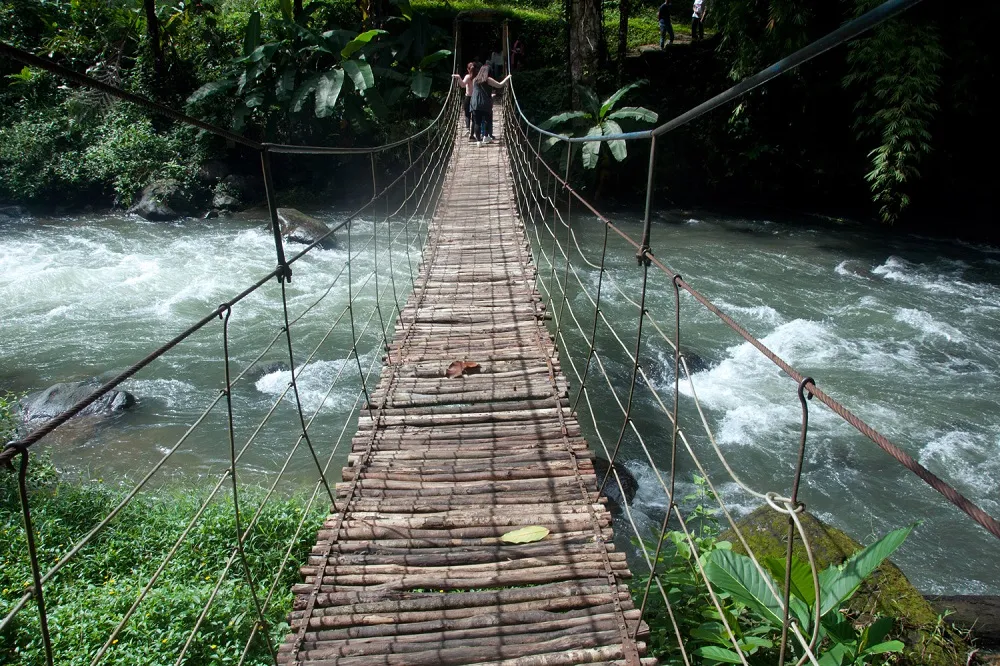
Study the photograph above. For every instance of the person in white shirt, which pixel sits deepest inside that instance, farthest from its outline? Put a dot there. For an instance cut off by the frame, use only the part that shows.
(466, 82)
(496, 63)
(698, 20)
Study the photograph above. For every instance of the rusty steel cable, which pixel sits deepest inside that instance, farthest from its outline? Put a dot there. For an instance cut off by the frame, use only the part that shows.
(956, 498)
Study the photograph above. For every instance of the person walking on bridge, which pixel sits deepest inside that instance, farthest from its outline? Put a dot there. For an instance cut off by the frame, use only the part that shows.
(482, 104)
(466, 82)
(666, 27)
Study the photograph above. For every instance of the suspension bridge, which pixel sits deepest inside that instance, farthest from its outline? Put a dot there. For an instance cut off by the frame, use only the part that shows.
(470, 431)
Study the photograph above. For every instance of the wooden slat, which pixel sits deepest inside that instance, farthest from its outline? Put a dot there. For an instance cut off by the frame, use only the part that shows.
(409, 568)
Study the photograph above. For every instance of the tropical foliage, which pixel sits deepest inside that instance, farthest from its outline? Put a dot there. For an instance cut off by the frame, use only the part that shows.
(749, 599)
(600, 119)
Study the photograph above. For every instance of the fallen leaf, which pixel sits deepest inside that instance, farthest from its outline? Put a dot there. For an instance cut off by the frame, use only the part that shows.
(459, 368)
(528, 534)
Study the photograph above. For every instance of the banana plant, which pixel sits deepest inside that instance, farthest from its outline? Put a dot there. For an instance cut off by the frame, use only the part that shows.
(841, 643)
(337, 70)
(600, 119)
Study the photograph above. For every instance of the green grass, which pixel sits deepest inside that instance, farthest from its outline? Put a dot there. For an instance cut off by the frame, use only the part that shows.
(90, 595)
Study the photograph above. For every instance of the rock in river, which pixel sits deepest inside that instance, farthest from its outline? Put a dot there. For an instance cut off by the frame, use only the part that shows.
(55, 400)
(298, 227)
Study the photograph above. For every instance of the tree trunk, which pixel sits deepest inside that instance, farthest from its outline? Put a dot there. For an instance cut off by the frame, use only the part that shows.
(584, 43)
(297, 8)
(623, 11)
(153, 32)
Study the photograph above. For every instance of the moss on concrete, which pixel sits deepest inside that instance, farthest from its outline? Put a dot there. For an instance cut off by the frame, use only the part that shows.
(886, 592)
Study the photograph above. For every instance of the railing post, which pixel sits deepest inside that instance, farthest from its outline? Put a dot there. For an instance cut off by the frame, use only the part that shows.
(641, 255)
(29, 535)
(284, 270)
(793, 505)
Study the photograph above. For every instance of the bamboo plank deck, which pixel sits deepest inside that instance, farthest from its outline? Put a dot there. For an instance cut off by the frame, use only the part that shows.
(409, 568)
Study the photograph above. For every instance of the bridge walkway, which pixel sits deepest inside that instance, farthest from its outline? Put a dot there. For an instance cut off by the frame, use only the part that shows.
(410, 567)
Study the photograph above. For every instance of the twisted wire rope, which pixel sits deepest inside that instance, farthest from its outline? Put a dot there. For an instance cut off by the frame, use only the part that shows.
(623, 408)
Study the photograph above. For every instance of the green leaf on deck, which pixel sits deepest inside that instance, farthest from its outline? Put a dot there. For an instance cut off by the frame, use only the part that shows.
(526, 534)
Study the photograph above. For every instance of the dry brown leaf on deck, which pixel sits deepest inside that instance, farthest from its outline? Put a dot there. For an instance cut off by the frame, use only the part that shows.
(459, 368)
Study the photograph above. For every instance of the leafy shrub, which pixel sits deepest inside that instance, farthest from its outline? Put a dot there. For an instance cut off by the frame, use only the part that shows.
(89, 596)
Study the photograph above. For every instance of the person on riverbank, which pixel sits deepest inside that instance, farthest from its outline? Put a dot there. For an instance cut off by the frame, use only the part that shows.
(482, 104)
(517, 55)
(466, 82)
(698, 20)
(666, 27)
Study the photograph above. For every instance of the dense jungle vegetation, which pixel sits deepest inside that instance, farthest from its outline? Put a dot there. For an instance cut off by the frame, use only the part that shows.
(892, 127)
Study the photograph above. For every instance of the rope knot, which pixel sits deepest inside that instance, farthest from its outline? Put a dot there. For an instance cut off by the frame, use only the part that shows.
(284, 273)
(783, 504)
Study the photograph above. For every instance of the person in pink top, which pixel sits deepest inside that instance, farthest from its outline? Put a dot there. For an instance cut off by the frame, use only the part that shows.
(466, 82)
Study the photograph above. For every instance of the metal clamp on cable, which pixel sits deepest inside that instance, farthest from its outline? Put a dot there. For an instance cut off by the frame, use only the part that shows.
(644, 257)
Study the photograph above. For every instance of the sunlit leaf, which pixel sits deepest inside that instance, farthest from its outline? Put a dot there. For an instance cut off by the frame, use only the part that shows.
(360, 73)
(359, 41)
(526, 534)
(327, 91)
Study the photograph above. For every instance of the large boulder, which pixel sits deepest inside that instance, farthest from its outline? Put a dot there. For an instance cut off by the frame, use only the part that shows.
(55, 400)
(297, 227)
(611, 489)
(163, 201)
(225, 201)
(13, 212)
(886, 592)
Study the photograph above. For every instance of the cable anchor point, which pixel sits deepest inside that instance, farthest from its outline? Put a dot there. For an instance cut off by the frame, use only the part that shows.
(644, 257)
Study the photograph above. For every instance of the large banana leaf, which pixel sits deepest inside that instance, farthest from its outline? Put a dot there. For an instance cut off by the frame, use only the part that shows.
(327, 91)
(591, 149)
(359, 41)
(737, 575)
(360, 73)
(634, 113)
(610, 102)
(421, 84)
(618, 149)
(251, 37)
(302, 92)
(837, 584)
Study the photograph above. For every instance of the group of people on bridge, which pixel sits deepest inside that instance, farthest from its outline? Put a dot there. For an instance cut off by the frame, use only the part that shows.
(478, 105)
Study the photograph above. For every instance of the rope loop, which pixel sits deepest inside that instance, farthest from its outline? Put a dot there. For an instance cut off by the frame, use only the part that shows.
(787, 507)
(676, 280)
(803, 396)
(224, 311)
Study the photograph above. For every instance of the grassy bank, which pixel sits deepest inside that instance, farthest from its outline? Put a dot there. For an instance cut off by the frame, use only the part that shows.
(88, 598)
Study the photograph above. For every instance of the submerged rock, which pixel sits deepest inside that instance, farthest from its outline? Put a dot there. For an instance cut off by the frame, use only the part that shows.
(12, 211)
(611, 490)
(163, 201)
(886, 592)
(297, 227)
(264, 370)
(55, 400)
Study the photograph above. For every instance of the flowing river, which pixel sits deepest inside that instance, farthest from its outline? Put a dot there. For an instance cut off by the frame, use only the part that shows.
(900, 329)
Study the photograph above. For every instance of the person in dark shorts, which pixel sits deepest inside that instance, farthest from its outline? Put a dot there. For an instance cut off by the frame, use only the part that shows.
(666, 27)
(482, 104)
